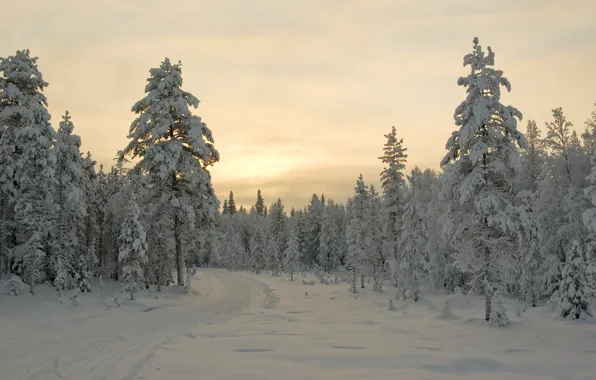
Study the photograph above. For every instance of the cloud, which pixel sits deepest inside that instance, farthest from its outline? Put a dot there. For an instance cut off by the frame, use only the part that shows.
(299, 93)
(295, 187)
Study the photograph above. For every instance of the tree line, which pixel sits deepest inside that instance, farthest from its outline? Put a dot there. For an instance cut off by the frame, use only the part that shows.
(508, 213)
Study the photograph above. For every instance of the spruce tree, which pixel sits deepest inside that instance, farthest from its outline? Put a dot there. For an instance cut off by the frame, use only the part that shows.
(480, 165)
(574, 290)
(393, 183)
(72, 204)
(292, 253)
(314, 221)
(413, 238)
(353, 261)
(28, 173)
(175, 149)
(374, 242)
(232, 204)
(260, 204)
(258, 253)
(133, 249)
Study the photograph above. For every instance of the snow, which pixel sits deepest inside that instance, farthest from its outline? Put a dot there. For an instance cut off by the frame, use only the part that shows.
(244, 326)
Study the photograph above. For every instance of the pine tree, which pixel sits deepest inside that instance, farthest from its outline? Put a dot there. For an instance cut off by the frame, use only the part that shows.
(374, 243)
(533, 159)
(273, 256)
(530, 258)
(353, 262)
(559, 140)
(574, 290)
(133, 249)
(72, 204)
(314, 221)
(260, 204)
(589, 135)
(225, 209)
(414, 235)
(360, 211)
(232, 204)
(258, 250)
(393, 183)
(292, 254)
(91, 230)
(589, 219)
(326, 241)
(175, 149)
(26, 149)
(277, 225)
(33, 256)
(479, 167)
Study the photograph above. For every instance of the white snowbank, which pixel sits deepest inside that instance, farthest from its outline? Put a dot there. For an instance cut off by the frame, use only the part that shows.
(234, 327)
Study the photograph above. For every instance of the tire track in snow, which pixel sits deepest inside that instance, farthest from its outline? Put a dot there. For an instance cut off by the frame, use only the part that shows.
(118, 344)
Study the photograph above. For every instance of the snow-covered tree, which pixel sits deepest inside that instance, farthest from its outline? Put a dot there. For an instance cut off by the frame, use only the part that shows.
(574, 290)
(232, 204)
(313, 225)
(26, 150)
(258, 249)
(133, 249)
(353, 260)
(175, 149)
(533, 159)
(412, 244)
(72, 204)
(559, 140)
(260, 204)
(326, 242)
(375, 255)
(589, 219)
(274, 258)
(480, 165)
(292, 255)
(530, 257)
(393, 183)
(277, 226)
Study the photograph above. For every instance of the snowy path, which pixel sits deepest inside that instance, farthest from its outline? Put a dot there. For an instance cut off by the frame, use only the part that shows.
(46, 340)
(323, 332)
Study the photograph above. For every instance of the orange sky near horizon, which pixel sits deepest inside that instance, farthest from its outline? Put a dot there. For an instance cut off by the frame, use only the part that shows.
(299, 94)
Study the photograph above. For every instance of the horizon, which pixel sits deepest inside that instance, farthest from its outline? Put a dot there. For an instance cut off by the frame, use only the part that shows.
(299, 95)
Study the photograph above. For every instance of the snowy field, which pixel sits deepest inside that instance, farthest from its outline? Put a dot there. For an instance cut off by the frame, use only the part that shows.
(243, 326)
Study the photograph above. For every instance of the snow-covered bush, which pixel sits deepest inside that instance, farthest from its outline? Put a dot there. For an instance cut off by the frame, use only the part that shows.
(573, 289)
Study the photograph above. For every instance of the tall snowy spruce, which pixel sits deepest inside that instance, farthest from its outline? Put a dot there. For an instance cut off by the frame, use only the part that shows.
(393, 183)
(70, 198)
(175, 149)
(589, 218)
(26, 156)
(133, 248)
(480, 166)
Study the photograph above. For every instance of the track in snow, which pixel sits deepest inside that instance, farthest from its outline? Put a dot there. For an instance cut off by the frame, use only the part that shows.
(117, 343)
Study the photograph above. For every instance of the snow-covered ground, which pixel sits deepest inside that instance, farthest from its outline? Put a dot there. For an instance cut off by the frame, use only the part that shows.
(241, 326)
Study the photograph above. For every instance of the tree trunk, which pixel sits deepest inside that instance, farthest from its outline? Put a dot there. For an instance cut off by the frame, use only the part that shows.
(32, 282)
(2, 236)
(487, 299)
(179, 258)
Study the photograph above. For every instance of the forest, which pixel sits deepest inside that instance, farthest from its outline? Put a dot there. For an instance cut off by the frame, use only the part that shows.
(511, 211)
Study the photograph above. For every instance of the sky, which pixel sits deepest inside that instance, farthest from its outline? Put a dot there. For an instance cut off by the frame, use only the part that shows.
(300, 93)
